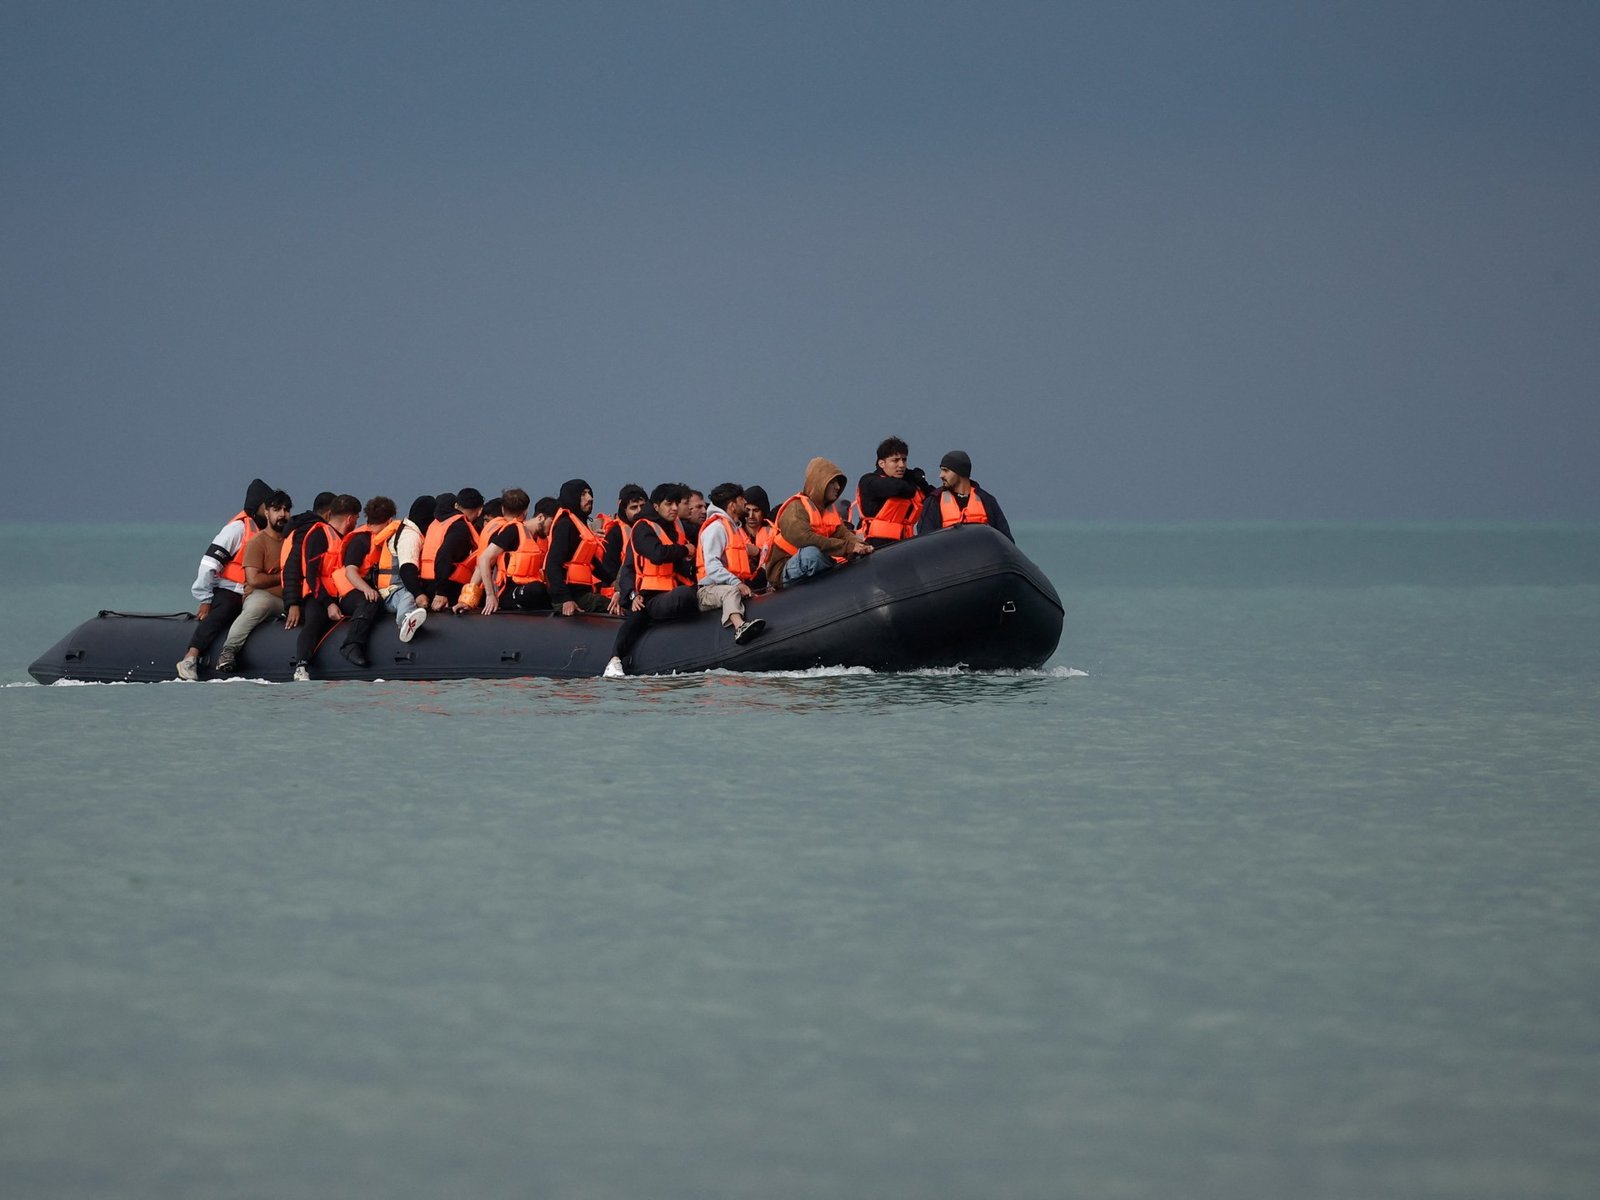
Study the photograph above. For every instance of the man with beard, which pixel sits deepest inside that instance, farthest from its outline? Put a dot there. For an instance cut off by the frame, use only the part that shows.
(571, 565)
(263, 580)
(219, 585)
(631, 501)
(691, 513)
(960, 501)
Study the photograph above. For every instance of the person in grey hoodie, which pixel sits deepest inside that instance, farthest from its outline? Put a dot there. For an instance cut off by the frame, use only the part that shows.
(722, 562)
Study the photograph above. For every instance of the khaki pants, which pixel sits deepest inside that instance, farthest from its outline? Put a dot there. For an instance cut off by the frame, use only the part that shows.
(724, 596)
(259, 606)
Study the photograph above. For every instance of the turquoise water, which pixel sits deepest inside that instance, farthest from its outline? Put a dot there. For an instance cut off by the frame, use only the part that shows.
(1282, 878)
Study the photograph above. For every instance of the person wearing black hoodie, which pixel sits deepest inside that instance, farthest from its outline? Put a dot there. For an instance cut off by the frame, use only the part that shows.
(656, 582)
(293, 583)
(450, 550)
(219, 585)
(571, 566)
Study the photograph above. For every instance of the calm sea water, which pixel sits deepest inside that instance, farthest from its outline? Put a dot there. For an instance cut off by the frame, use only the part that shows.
(1283, 879)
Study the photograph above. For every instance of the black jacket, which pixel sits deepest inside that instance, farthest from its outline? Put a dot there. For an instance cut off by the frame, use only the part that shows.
(932, 522)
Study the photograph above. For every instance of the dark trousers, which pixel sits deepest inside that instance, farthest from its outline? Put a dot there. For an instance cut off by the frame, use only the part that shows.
(526, 597)
(361, 613)
(314, 622)
(675, 605)
(225, 606)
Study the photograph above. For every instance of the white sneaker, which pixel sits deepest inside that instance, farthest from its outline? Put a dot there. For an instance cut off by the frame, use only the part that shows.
(189, 669)
(411, 622)
(301, 673)
(614, 669)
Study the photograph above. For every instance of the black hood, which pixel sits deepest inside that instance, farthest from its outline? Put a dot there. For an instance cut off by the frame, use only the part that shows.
(255, 496)
(421, 514)
(444, 506)
(572, 495)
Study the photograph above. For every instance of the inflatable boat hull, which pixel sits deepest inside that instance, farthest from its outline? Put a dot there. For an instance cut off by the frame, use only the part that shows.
(964, 597)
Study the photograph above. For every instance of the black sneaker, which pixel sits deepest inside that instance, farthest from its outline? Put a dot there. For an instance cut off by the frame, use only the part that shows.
(750, 631)
(355, 655)
(227, 663)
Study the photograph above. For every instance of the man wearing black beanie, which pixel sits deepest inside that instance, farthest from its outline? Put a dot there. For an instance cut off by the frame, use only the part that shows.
(959, 500)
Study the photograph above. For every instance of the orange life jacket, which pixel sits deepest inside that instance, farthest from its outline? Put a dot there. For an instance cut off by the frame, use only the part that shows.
(522, 564)
(233, 569)
(434, 539)
(580, 567)
(824, 523)
(321, 574)
(377, 562)
(762, 540)
(951, 513)
(737, 555)
(652, 576)
(896, 519)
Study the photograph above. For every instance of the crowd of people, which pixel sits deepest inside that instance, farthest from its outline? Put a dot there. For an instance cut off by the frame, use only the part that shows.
(663, 555)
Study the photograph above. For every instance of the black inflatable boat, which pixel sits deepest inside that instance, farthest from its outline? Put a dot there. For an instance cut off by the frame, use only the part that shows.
(963, 597)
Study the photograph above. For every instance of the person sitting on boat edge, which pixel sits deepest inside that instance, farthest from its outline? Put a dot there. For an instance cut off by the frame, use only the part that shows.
(511, 568)
(404, 595)
(890, 499)
(758, 532)
(656, 578)
(959, 500)
(312, 591)
(574, 553)
(810, 536)
(372, 560)
(450, 549)
(366, 564)
(263, 580)
(631, 501)
(723, 567)
(218, 586)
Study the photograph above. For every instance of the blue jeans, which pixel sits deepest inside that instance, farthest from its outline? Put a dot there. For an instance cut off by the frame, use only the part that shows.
(807, 562)
(400, 602)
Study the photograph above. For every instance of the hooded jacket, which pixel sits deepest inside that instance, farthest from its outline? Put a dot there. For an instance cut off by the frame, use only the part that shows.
(564, 540)
(229, 542)
(795, 525)
(406, 546)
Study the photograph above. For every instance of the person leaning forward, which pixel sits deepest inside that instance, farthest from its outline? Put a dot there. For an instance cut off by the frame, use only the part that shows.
(511, 568)
(810, 536)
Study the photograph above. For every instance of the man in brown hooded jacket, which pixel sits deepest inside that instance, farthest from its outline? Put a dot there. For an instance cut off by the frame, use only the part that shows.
(809, 537)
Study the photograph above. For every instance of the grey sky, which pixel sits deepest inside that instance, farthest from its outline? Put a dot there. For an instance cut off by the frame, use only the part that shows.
(1143, 261)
